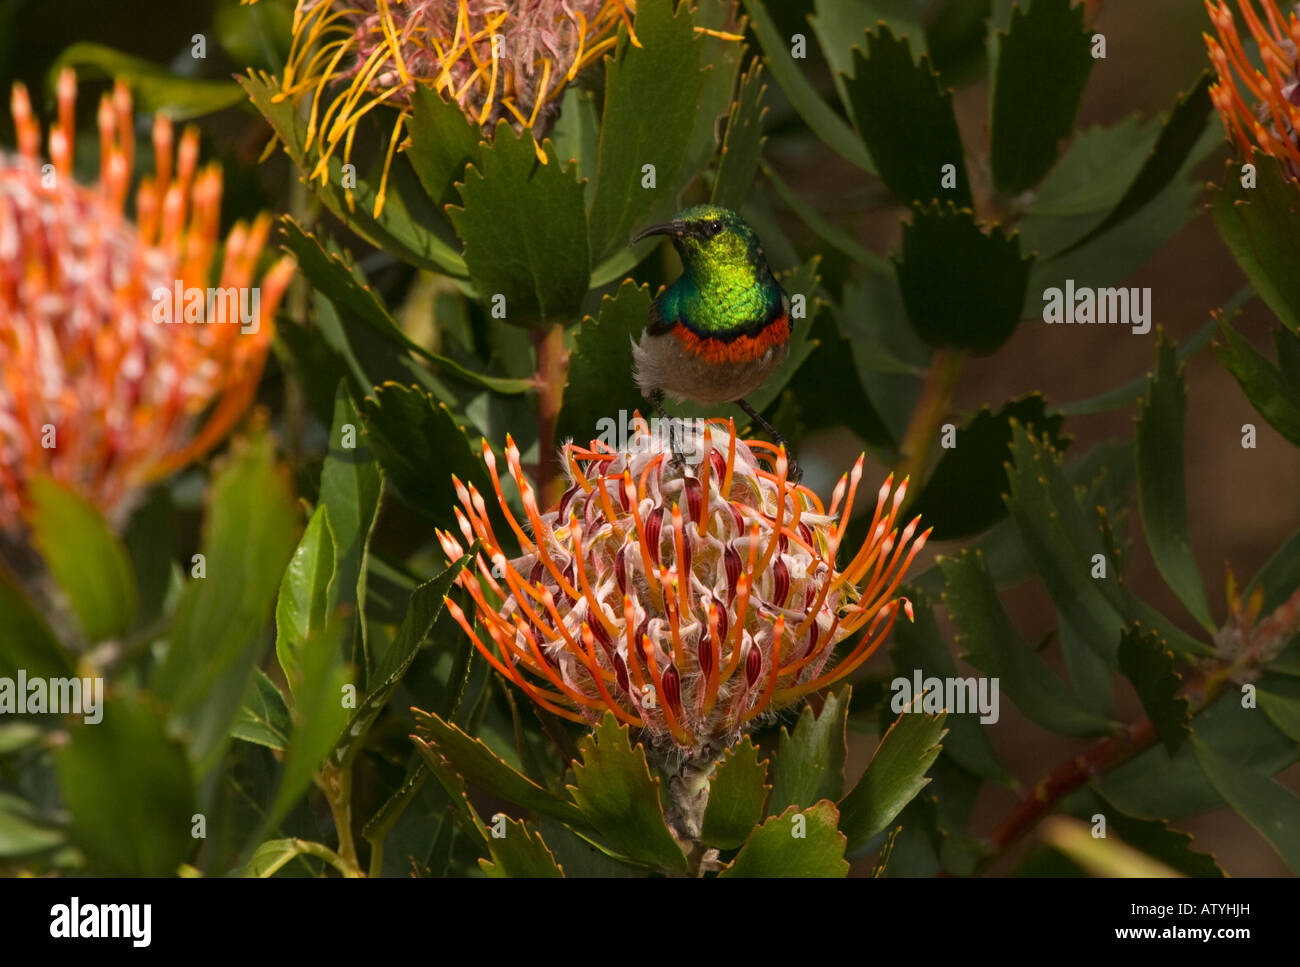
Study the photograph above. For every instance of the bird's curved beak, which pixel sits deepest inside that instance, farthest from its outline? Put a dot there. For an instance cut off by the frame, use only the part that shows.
(675, 228)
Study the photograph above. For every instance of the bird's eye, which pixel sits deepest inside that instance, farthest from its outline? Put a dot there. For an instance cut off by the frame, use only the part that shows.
(713, 227)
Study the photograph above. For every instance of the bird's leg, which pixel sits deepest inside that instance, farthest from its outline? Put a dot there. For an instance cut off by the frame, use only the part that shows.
(678, 462)
(795, 472)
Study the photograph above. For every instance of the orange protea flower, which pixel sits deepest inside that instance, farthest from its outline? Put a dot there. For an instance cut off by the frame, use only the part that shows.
(1272, 123)
(689, 602)
(93, 390)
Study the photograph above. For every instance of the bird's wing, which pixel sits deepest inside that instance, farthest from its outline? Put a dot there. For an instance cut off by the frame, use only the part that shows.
(658, 323)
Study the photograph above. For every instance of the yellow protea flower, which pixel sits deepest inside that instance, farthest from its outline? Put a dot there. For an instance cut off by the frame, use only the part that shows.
(1260, 108)
(497, 59)
(688, 602)
(95, 390)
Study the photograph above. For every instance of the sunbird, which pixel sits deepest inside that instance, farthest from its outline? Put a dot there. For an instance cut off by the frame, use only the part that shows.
(723, 327)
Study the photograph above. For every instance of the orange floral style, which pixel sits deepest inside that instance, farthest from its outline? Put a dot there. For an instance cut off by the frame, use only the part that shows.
(93, 391)
(687, 601)
(1272, 122)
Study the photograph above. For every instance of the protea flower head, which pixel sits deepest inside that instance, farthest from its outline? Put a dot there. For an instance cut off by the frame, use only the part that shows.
(689, 602)
(93, 390)
(1260, 108)
(496, 58)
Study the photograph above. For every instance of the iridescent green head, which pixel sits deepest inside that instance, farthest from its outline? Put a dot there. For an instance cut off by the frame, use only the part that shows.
(726, 287)
(709, 238)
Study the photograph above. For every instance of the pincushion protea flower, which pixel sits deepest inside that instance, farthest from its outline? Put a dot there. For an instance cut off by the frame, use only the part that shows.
(497, 59)
(93, 391)
(687, 603)
(373, 52)
(1273, 123)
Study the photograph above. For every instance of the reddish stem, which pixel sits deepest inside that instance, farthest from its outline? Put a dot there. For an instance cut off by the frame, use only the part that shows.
(550, 378)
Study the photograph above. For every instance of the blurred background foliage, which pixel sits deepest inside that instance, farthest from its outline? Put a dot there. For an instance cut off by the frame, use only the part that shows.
(1072, 442)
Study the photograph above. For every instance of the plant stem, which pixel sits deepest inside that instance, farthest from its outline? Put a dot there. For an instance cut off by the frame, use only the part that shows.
(1260, 644)
(336, 783)
(933, 405)
(550, 378)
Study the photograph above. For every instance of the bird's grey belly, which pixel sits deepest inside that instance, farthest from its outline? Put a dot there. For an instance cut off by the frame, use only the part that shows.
(663, 363)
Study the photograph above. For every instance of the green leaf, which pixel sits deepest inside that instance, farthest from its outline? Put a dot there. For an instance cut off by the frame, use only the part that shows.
(831, 129)
(1160, 841)
(407, 226)
(1273, 394)
(720, 60)
(350, 487)
(1280, 575)
(356, 301)
(918, 646)
(306, 601)
(255, 34)
(994, 646)
(1279, 697)
(1095, 170)
(619, 798)
(964, 494)
(273, 855)
(1146, 663)
(784, 846)
(906, 120)
(85, 557)
(963, 288)
(217, 635)
(830, 391)
(21, 831)
(742, 145)
(1162, 491)
(521, 852)
(827, 230)
(27, 642)
(1261, 227)
(482, 767)
(1042, 68)
(577, 856)
(600, 364)
(423, 611)
(525, 230)
(1269, 807)
(652, 93)
(1091, 674)
(1126, 393)
(1062, 540)
(896, 774)
(1156, 785)
(155, 89)
(1174, 147)
(318, 718)
(264, 717)
(128, 789)
(18, 735)
(840, 25)
(809, 764)
(738, 793)
(420, 445)
(443, 142)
